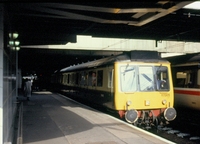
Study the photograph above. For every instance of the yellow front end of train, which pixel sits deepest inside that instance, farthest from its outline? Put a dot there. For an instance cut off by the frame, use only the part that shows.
(143, 87)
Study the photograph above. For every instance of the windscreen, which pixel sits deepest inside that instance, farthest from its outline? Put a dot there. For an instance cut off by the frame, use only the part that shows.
(128, 78)
(143, 78)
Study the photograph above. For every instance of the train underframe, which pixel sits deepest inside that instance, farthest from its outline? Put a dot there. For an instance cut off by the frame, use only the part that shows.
(149, 117)
(137, 117)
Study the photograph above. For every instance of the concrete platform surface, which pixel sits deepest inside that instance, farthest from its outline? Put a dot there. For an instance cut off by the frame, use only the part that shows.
(50, 118)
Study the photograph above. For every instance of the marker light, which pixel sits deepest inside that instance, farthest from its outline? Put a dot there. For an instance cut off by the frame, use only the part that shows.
(128, 103)
(164, 102)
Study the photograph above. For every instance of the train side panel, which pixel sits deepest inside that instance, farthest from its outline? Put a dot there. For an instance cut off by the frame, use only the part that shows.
(187, 97)
(95, 85)
(186, 79)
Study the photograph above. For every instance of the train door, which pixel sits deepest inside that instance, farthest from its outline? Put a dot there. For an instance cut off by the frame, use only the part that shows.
(110, 81)
(110, 86)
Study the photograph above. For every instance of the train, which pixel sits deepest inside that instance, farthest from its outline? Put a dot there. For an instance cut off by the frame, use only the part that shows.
(137, 85)
(186, 81)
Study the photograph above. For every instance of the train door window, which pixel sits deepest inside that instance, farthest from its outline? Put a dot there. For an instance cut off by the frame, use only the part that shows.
(65, 79)
(128, 78)
(110, 79)
(146, 78)
(86, 78)
(162, 81)
(82, 78)
(193, 80)
(100, 78)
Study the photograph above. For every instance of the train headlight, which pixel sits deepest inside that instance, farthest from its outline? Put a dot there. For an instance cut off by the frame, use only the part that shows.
(164, 102)
(128, 103)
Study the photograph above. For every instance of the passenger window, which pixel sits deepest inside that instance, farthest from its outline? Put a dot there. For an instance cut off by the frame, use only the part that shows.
(83, 78)
(92, 78)
(68, 78)
(186, 79)
(180, 79)
(73, 78)
(77, 78)
(100, 78)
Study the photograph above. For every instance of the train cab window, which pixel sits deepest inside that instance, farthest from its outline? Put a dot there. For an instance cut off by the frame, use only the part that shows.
(162, 81)
(128, 78)
(146, 78)
(100, 78)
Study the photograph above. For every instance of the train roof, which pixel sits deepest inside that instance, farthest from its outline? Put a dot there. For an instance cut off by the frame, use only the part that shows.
(97, 63)
(187, 64)
(148, 56)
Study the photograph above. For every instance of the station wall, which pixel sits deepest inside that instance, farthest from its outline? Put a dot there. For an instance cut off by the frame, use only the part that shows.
(8, 91)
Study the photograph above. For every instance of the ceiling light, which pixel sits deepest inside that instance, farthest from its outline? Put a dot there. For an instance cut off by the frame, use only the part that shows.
(17, 43)
(17, 48)
(11, 43)
(13, 35)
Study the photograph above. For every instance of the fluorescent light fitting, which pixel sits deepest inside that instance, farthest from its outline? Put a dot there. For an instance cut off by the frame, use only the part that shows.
(194, 5)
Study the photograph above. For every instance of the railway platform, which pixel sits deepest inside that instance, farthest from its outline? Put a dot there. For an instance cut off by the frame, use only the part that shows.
(50, 118)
